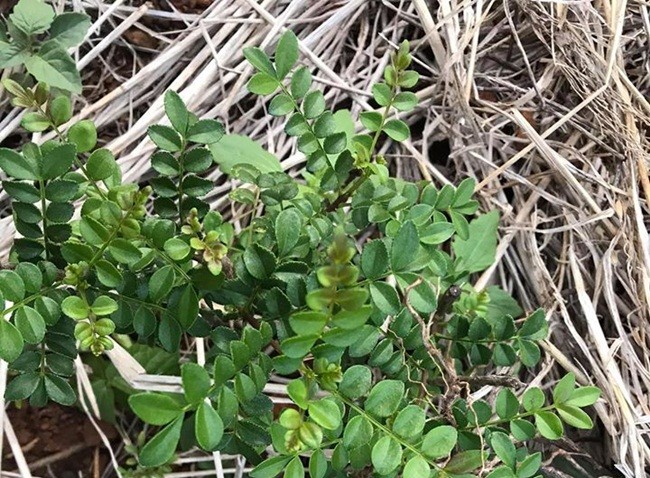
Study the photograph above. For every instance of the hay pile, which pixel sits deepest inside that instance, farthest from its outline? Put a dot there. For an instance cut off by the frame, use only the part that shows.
(544, 102)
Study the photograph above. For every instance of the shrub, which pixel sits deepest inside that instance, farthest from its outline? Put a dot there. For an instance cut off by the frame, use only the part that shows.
(352, 284)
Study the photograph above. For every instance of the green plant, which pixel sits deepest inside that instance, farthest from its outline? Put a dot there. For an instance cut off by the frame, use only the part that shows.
(22, 42)
(353, 284)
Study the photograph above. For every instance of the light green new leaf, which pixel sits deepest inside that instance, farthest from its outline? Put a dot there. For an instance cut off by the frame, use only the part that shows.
(69, 29)
(104, 305)
(32, 16)
(384, 398)
(504, 448)
(439, 442)
(549, 425)
(575, 417)
(234, 149)
(326, 413)
(409, 422)
(101, 164)
(386, 455)
(416, 467)
(478, 251)
(54, 66)
(75, 307)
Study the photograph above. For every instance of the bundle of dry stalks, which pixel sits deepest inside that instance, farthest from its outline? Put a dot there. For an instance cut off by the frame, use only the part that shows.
(544, 102)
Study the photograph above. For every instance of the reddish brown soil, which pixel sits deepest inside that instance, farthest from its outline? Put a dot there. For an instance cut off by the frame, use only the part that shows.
(62, 435)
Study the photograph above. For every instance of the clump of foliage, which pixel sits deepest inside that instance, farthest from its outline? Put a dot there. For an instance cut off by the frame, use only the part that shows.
(352, 284)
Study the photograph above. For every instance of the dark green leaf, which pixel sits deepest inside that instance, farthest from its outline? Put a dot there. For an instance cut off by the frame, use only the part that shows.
(22, 386)
(176, 111)
(260, 60)
(161, 283)
(234, 150)
(313, 105)
(326, 413)
(385, 297)
(300, 82)
(124, 251)
(196, 382)
(208, 427)
(409, 422)
(397, 130)
(101, 165)
(155, 408)
(17, 166)
(262, 84)
(59, 390)
(298, 347)
(374, 259)
(271, 467)
(205, 131)
(286, 53)
(30, 324)
(504, 448)
(259, 261)
(288, 225)
(160, 449)
(405, 246)
(549, 425)
(281, 105)
(11, 342)
(165, 138)
(12, 286)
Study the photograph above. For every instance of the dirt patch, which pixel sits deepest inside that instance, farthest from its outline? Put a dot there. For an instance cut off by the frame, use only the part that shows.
(59, 439)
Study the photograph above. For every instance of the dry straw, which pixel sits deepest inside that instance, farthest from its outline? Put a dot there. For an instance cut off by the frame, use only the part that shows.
(544, 102)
